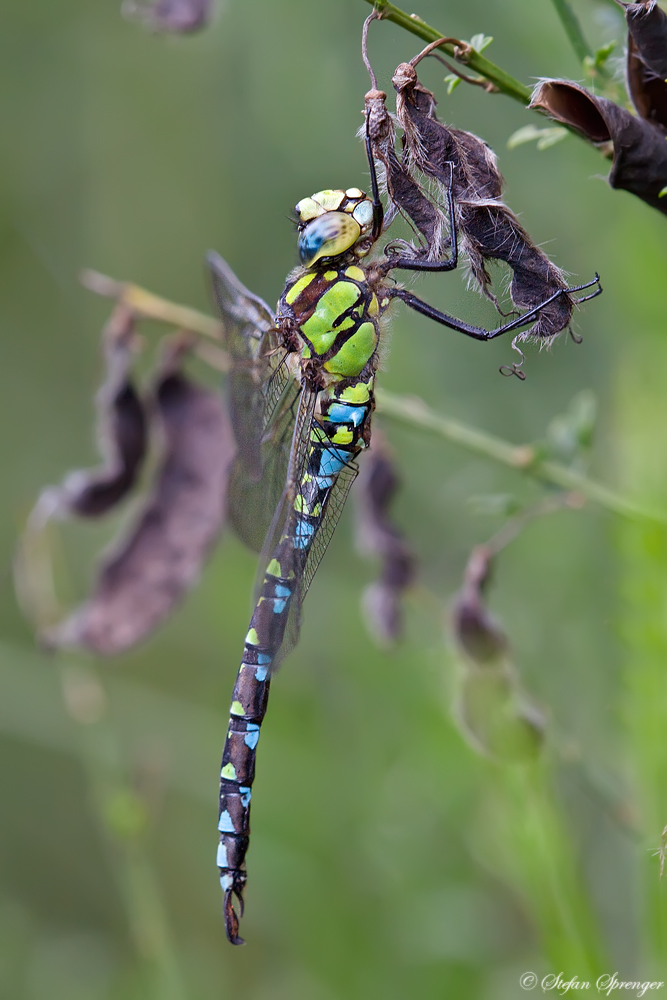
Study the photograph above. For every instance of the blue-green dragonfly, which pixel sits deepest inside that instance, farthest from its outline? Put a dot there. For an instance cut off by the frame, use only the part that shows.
(301, 393)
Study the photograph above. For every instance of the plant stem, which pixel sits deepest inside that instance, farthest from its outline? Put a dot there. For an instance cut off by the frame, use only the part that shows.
(572, 27)
(526, 458)
(410, 410)
(151, 306)
(503, 81)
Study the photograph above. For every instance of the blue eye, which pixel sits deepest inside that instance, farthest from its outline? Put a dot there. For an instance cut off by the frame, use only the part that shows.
(327, 236)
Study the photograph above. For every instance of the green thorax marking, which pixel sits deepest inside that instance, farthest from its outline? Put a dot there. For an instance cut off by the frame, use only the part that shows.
(336, 315)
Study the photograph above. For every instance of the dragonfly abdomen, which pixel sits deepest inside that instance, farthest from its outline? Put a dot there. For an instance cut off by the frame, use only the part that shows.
(336, 435)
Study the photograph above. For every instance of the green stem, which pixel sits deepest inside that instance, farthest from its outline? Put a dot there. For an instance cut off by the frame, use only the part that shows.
(525, 458)
(505, 83)
(502, 80)
(572, 27)
(410, 410)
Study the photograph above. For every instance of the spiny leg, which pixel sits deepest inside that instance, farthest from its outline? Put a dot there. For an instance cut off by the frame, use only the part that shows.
(478, 332)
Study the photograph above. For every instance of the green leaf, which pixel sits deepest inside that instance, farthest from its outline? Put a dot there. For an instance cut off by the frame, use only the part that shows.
(662, 193)
(550, 136)
(544, 137)
(603, 54)
(480, 42)
(452, 82)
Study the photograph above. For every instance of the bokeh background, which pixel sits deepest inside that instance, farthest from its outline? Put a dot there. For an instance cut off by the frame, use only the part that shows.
(388, 858)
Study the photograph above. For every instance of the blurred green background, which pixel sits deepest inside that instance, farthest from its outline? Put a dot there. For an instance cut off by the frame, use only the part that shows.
(388, 858)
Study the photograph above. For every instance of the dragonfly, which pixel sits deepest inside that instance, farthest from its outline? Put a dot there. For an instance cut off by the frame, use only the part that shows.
(301, 397)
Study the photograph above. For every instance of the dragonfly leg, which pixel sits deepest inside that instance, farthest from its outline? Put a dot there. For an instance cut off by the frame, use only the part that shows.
(378, 208)
(411, 263)
(478, 332)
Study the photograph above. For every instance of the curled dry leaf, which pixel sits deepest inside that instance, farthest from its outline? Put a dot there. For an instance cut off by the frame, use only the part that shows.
(647, 26)
(493, 713)
(143, 579)
(647, 60)
(488, 229)
(121, 433)
(377, 536)
(404, 193)
(475, 630)
(174, 16)
(640, 150)
(647, 90)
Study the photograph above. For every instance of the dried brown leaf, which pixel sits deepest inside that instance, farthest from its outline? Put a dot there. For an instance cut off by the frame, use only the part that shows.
(475, 630)
(488, 229)
(403, 191)
(144, 578)
(647, 26)
(121, 432)
(377, 536)
(647, 90)
(640, 150)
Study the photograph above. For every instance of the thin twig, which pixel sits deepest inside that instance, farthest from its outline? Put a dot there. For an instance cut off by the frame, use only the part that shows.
(150, 306)
(525, 458)
(502, 81)
(505, 83)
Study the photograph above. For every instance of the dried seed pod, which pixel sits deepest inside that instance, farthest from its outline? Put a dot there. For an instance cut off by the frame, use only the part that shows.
(647, 90)
(121, 432)
(146, 575)
(179, 17)
(492, 712)
(377, 536)
(647, 26)
(488, 229)
(475, 630)
(404, 193)
(640, 150)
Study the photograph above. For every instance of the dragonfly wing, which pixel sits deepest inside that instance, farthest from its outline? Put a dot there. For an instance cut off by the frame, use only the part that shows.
(258, 371)
(330, 517)
(280, 536)
(252, 503)
(262, 399)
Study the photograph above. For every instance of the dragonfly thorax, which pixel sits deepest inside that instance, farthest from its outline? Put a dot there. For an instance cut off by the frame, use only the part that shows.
(333, 223)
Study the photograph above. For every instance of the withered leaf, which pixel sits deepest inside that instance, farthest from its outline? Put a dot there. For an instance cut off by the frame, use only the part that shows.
(493, 713)
(647, 26)
(121, 432)
(640, 150)
(142, 580)
(404, 192)
(488, 229)
(377, 536)
(647, 90)
(475, 630)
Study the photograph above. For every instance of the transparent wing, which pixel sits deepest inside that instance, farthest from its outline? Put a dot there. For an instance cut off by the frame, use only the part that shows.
(280, 537)
(259, 373)
(326, 528)
(252, 503)
(303, 409)
(263, 397)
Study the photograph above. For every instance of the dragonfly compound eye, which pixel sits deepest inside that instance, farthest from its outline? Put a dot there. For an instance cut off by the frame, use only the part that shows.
(328, 236)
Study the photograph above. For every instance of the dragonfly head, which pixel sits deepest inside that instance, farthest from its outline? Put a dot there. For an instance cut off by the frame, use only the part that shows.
(331, 223)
